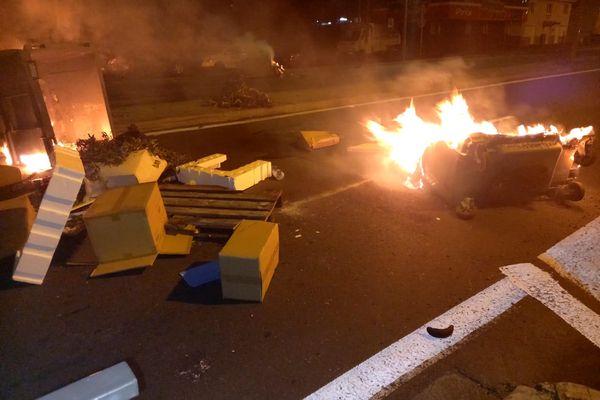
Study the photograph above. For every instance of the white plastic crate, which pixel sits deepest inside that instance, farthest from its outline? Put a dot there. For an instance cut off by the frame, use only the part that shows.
(52, 216)
(196, 173)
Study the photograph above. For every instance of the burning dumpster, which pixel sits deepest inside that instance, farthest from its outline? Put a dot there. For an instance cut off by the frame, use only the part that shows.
(48, 95)
(468, 162)
(493, 169)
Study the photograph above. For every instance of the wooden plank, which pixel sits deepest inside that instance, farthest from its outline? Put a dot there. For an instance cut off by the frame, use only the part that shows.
(268, 196)
(206, 223)
(221, 204)
(218, 213)
(195, 188)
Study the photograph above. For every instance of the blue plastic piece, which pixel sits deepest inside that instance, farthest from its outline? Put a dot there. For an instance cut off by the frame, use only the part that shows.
(202, 274)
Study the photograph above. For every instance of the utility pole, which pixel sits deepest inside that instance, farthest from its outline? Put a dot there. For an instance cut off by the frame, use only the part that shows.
(405, 29)
(421, 27)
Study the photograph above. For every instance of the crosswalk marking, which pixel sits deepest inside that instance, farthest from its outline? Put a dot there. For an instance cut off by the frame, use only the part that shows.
(542, 287)
(417, 350)
(577, 257)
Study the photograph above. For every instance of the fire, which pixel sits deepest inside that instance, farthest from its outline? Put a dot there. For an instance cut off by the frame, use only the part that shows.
(35, 162)
(6, 154)
(30, 163)
(407, 141)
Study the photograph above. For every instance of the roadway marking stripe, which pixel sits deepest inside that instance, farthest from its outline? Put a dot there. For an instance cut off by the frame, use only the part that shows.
(174, 130)
(577, 257)
(406, 357)
(541, 286)
(293, 208)
(370, 103)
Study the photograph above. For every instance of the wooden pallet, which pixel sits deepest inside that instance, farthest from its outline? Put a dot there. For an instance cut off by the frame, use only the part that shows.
(213, 211)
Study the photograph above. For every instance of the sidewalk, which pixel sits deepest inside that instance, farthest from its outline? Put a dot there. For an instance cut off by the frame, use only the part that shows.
(318, 88)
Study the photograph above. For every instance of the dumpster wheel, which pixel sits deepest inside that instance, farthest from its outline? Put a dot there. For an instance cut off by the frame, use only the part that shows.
(465, 208)
(573, 191)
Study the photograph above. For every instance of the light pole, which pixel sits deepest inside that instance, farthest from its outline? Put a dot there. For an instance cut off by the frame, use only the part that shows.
(405, 29)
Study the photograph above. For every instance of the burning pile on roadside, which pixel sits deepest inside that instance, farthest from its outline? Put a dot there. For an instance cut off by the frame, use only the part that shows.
(237, 94)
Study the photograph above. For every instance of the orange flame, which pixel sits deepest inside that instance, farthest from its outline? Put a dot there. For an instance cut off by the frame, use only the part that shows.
(30, 163)
(35, 162)
(6, 153)
(407, 142)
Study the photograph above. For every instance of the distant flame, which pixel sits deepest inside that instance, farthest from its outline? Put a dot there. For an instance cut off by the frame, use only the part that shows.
(407, 142)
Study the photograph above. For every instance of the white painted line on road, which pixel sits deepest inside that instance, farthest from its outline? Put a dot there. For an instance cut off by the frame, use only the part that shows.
(375, 102)
(542, 287)
(577, 257)
(294, 207)
(174, 130)
(417, 350)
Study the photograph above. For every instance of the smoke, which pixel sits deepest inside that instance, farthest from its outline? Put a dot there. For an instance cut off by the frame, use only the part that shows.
(152, 32)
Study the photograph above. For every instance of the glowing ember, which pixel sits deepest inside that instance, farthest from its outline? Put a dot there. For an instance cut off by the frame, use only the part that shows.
(407, 141)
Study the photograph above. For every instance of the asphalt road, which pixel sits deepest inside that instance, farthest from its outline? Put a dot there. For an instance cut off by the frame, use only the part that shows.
(374, 262)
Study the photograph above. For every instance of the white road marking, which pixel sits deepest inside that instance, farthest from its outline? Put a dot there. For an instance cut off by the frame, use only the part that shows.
(577, 257)
(174, 130)
(406, 357)
(542, 287)
(294, 207)
(375, 102)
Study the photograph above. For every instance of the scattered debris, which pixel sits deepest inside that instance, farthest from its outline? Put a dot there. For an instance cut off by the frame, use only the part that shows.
(277, 173)
(441, 332)
(319, 139)
(197, 370)
(201, 274)
(236, 93)
(51, 218)
(117, 382)
(248, 260)
(204, 172)
(126, 226)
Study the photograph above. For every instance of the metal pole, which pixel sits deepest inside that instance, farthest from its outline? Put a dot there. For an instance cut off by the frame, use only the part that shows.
(422, 26)
(405, 29)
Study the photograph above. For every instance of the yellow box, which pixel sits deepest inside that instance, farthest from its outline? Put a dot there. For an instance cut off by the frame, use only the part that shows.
(318, 139)
(248, 260)
(127, 222)
(139, 167)
(16, 215)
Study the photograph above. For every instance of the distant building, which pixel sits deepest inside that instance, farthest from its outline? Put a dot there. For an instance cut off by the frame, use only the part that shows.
(463, 27)
(584, 25)
(547, 22)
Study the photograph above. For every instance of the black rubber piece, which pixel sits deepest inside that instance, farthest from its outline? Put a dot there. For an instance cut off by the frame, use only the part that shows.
(440, 332)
